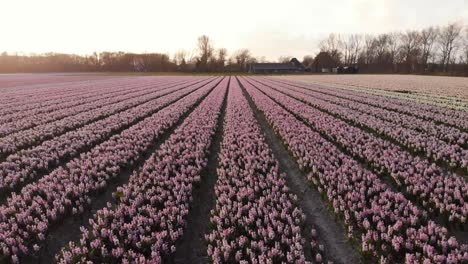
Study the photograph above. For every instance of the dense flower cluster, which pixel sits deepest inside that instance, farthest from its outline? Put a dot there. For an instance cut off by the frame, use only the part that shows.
(452, 154)
(435, 188)
(318, 250)
(36, 135)
(425, 127)
(25, 165)
(254, 219)
(388, 225)
(453, 117)
(152, 207)
(26, 217)
(27, 119)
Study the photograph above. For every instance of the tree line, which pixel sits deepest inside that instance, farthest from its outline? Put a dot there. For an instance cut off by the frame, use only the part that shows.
(205, 58)
(431, 50)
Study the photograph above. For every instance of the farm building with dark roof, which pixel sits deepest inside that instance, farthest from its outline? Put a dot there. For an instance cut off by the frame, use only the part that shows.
(294, 66)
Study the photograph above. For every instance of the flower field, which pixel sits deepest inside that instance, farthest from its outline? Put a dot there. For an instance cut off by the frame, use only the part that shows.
(436, 90)
(211, 169)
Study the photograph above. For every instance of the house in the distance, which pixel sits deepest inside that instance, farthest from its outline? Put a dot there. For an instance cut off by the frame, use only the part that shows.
(294, 66)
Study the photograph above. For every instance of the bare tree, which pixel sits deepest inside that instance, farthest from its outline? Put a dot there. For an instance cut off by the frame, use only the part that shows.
(448, 38)
(351, 47)
(332, 45)
(222, 54)
(221, 59)
(242, 58)
(180, 56)
(369, 49)
(205, 49)
(356, 47)
(308, 61)
(410, 41)
(381, 48)
(393, 46)
(465, 47)
(428, 37)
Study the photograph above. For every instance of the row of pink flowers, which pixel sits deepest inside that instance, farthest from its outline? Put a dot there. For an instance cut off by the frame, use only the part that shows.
(27, 119)
(436, 189)
(388, 226)
(151, 209)
(452, 154)
(27, 216)
(25, 165)
(254, 219)
(34, 136)
(453, 117)
(426, 128)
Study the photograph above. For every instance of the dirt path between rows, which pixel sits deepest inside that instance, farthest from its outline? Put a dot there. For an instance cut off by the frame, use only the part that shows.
(460, 232)
(69, 229)
(4, 195)
(330, 233)
(192, 247)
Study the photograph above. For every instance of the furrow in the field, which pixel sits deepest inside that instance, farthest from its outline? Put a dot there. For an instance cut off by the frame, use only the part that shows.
(442, 115)
(255, 216)
(69, 190)
(426, 128)
(451, 156)
(192, 247)
(95, 89)
(428, 187)
(38, 118)
(150, 214)
(29, 165)
(437, 191)
(34, 136)
(74, 102)
(318, 213)
(388, 226)
(70, 229)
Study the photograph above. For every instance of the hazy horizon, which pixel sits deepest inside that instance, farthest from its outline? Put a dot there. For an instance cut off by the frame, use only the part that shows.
(268, 28)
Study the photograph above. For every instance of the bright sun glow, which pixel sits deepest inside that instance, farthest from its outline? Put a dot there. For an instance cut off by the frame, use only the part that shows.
(267, 28)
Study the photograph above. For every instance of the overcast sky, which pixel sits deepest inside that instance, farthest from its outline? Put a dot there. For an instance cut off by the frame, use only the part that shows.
(268, 28)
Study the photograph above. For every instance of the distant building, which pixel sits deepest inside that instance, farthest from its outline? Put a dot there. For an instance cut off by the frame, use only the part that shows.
(294, 66)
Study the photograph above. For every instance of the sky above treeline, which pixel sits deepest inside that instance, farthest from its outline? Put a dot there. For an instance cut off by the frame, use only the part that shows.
(268, 28)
